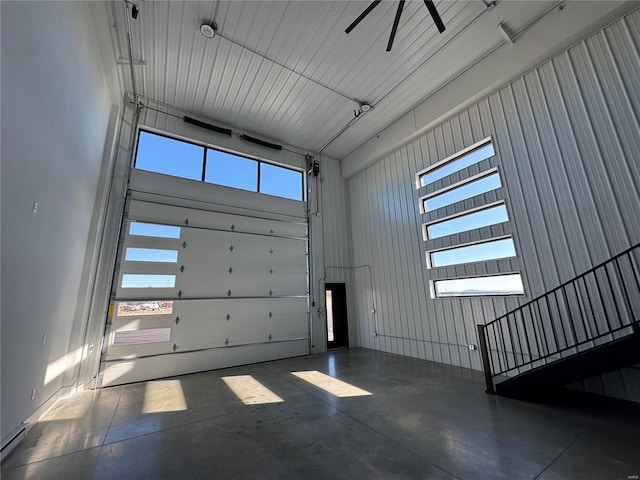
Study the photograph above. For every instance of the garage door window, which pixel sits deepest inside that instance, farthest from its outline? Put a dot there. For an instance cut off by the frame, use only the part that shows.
(169, 156)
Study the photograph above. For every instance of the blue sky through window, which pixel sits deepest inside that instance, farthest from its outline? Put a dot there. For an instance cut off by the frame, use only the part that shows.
(281, 182)
(455, 165)
(134, 280)
(510, 284)
(172, 157)
(468, 190)
(231, 170)
(168, 156)
(470, 221)
(479, 252)
(151, 255)
(153, 230)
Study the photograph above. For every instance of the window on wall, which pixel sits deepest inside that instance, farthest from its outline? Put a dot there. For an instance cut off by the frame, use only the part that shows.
(483, 286)
(461, 160)
(468, 220)
(475, 252)
(231, 171)
(169, 156)
(458, 192)
(481, 216)
(279, 181)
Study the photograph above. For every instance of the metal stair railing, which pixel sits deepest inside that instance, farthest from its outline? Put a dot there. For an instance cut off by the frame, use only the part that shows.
(594, 308)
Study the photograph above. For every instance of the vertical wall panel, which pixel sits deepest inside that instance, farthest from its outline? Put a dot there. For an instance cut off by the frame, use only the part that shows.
(566, 140)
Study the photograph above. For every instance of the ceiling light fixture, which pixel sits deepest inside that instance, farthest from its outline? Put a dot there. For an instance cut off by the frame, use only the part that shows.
(208, 30)
(362, 108)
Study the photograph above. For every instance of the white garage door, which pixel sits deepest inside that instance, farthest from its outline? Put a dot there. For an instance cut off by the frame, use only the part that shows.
(197, 288)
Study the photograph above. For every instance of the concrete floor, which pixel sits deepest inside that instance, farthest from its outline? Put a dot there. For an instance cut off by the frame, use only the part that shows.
(422, 421)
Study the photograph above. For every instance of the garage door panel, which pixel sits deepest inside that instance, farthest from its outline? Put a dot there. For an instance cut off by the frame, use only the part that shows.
(217, 309)
(258, 284)
(251, 321)
(144, 211)
(116, 373)
(292, 260)
(197, 239)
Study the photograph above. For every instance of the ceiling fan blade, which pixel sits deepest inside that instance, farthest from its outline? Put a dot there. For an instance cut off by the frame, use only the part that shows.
(435, 15)
(366, 12)
(395, 25)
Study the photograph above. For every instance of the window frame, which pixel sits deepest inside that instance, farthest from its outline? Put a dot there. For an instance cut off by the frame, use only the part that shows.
(461, 183)
(432, 286)
(470, 244)
(486, 206)
(476, 146)
(205, 147)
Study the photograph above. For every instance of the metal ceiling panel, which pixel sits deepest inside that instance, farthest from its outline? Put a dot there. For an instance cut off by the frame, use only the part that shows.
(288, 71)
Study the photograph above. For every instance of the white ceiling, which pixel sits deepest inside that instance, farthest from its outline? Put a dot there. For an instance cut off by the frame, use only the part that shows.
(300, 76)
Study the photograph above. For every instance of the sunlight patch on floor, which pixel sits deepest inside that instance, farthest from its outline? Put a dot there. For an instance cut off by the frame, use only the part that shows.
(332, 385)
(164, 396)
(250, 391)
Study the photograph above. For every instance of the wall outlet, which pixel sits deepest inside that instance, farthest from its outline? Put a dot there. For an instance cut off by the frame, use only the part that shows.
(33, 394)
(472, 347)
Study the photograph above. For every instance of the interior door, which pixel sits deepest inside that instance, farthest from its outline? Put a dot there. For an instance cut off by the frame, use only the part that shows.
(336, 307)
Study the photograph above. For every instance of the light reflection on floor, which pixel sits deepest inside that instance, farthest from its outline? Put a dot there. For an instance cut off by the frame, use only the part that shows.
(164, 396)
(250, 391)
(332, 385)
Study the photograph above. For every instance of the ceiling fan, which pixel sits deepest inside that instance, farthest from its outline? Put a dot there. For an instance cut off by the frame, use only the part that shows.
(430, 6)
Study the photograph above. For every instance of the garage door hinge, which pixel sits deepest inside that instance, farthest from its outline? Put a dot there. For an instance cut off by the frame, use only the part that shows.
(226, 341)
(186, 221)
(270, 292)
(271, 272)
(270, 314)
(184, 244)
(177, 320)
(175, 347)
(231, 248)
(182, 268)
(228, 317)
(270, 337)
(180, 294)
(229, 293)
(230, 270)
(233, 227)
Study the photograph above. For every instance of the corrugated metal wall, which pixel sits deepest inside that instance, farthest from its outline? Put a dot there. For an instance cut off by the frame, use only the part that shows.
(566, 139)
(330, 245)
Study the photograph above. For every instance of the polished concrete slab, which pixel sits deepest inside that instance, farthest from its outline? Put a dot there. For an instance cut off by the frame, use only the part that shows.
(415, 420)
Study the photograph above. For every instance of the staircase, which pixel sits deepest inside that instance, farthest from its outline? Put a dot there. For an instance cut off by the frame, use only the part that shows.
(587, 326)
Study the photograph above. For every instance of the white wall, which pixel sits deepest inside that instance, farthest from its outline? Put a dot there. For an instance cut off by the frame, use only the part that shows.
(56, 109)
(566, 139)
